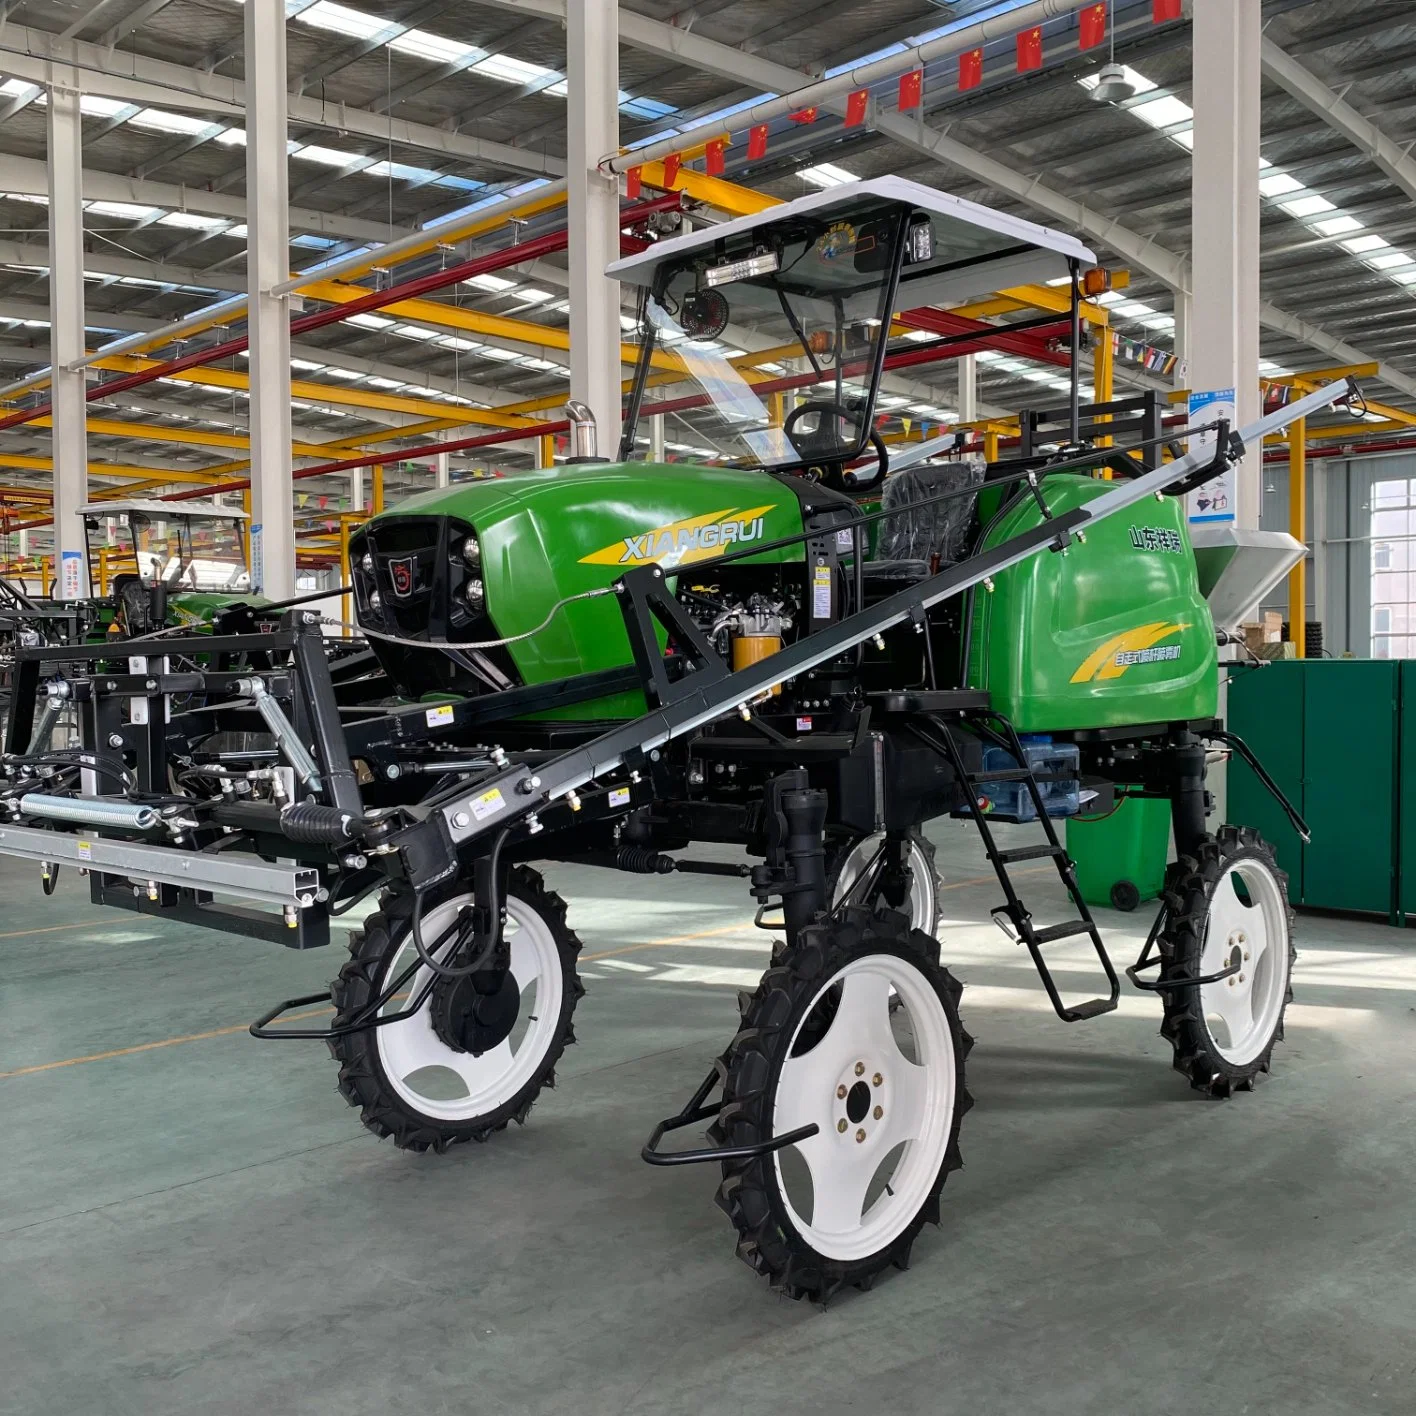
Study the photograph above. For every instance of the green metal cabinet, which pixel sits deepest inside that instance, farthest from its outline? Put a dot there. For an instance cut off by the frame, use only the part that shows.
(1330, 733)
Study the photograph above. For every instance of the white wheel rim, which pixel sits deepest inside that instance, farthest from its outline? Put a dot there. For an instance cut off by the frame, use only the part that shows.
(922, 895)
(447, 1085)
(856, 1208)
(1242, 1012)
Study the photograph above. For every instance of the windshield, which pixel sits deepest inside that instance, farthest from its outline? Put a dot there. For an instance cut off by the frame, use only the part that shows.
(190, 553)
(814, 295)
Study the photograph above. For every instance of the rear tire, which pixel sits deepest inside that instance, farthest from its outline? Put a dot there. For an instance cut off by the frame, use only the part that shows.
(826, 1038)
(408, 1079)
(1226, 903)
(848, 859)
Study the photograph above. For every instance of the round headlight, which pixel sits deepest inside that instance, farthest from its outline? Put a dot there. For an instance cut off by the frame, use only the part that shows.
(366, 563)
(472, 552)
(375, 600)
(475, 592)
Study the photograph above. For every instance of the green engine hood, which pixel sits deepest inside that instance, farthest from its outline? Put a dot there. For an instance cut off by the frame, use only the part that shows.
(557, 532)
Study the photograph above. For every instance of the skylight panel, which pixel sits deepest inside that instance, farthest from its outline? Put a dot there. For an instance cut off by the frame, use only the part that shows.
(126, 210)
(1360, 245)
(326, 15)
(1279, 185)
(190, 220)
(1389, 260)
(529, 295)
(17, 88)
(826, 174)
(494, 283)
(1337, 225)
(1310, 205)
(512, 71)
(308, 365)
(433, 47)
(366, 321)
(1164, 112)
(414, 332)
(330, 157)
(161, 121)
(455, 341)
(501, 355)
(232, 137)
(376, 382)
(92, 106)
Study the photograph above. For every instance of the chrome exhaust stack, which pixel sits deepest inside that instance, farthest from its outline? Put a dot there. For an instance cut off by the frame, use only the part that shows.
(584, 433)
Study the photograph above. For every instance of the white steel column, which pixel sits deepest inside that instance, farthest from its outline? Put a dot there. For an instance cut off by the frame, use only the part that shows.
(1224, 335)
(356, 489)
(268, 265)
(66, 333)
(656, 438)
(967, 367)
(592, 207)
(442, 468)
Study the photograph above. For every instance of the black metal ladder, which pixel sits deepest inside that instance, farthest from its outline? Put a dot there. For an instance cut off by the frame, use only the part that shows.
(1013, 916)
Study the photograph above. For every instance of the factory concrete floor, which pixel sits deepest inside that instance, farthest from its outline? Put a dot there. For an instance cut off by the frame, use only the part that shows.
(194, 1222)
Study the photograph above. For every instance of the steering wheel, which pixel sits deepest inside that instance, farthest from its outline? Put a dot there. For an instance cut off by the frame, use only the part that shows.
(819, 445)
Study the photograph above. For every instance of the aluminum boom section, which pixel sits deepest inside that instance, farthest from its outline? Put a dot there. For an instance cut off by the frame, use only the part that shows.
(246, 877)
(502, 800)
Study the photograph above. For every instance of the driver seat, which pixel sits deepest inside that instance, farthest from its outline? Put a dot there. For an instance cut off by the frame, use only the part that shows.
(912, 537)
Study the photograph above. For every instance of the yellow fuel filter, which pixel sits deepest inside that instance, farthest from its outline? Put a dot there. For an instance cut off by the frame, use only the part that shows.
(750, 649)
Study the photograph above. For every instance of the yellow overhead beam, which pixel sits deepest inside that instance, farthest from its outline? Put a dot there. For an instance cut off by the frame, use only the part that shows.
(435, 312)
(337, 395)
(714, 191)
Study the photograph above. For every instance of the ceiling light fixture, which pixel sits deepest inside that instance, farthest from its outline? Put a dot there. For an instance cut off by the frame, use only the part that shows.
(1112, 85)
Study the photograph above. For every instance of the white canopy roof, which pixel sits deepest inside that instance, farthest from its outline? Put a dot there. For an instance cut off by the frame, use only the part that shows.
(967, 223)
(166, 510)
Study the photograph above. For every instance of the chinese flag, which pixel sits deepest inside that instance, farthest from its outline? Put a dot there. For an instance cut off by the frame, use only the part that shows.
(671, 168)
(971, 68)
(1164, 10)
(634, 183)
(757, 142)
(911, 89)
(1030, 49)
(713, 162)
(856, 104)
(1093, 26)
(803, 115)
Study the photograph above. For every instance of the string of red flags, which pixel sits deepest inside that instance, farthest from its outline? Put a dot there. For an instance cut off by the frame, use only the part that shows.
(1091, 31)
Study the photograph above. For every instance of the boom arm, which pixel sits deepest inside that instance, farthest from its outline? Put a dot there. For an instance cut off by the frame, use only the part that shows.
(510, 796)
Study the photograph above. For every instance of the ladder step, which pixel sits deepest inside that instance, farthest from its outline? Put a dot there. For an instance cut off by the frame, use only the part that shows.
(1031, 853)
(1005, 774)
(1067, 930)
(1093, 1008)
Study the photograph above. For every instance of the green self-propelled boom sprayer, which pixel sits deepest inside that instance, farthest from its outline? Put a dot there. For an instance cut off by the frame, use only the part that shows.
(610, 662)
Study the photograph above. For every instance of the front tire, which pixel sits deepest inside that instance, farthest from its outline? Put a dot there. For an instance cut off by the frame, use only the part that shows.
(856, 1029)
(1228, 903)
(434, 1081)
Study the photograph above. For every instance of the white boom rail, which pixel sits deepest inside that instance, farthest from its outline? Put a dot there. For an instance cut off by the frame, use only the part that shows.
(517, 792)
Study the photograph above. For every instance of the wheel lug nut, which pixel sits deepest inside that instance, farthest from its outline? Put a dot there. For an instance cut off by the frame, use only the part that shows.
(879, 1112)
(1231, 980)
(860, 1069)
(841, 1091)
(841, 1125)
(1241, 978)
(860, 1135)
(877, 1079)
(1246, 956)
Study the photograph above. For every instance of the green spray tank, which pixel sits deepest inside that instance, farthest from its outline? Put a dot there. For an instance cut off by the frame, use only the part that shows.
(1111, 632)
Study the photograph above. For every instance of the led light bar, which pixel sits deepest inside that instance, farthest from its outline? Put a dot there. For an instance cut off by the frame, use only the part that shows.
(764, 263)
